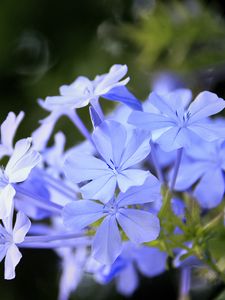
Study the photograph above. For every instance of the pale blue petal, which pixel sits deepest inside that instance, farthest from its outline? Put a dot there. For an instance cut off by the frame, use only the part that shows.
(150, 261)
(136, 150)
(127, 280)
(21, 227)
(81, 87)
(161, 103)
(107, 244)
(101, 188)
(189, 173)
(140, 226)
(112, 79)
(176, 138)
(169, 103)
(150, 121)
(148, 192)
(68, 101)
(81, 213)
(80, 167)
(205, 104)
(179, 99)
(22, 161)
(3, 250)
(110, 139)
(6, 200)
(12, 259)
(131, 177)
(210, 190)
(9, 128)
(208, 131)
(123, 95)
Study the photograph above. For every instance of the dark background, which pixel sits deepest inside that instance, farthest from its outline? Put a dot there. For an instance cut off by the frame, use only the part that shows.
(44, 44)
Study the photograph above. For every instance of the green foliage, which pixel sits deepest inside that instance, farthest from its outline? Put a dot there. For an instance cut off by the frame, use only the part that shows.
(176, 37)
(200, 236)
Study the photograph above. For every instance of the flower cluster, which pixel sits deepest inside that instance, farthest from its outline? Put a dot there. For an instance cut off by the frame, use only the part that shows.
(128, 197)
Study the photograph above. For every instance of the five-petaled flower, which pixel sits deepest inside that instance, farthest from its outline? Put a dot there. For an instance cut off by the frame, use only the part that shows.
(174, 124)
(118, 152)
(139, 225)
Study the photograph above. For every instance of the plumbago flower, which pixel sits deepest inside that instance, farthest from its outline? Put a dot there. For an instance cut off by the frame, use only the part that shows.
(83, 91)
(10, 237)
(140, 226)
(174, 124)
(8, 131)
(18, 168)
(149, 261)
(79, 94)
(72, 270)
(207, 168)
(117, 154)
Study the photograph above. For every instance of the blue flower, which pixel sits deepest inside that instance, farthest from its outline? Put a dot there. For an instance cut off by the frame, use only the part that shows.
(139, 225)
(118, 152)
(18, 168)
(174, 124)
(8, 131)
(72, 266)
(149, 261)
(207, 168)
(84, 91)
(9, 238)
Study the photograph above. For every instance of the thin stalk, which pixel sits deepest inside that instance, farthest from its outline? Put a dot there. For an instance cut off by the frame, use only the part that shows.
(61, 190)
(56, 244)
(80, 125)
(185, 280)
(38, 201)
(50, 238)
(59, 183)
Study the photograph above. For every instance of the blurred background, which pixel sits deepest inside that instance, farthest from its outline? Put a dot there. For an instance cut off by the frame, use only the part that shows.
(44, 44)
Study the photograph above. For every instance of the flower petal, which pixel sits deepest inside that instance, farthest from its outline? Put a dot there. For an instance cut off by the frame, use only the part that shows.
(136, 150)
(21, 227)
(123, 95)
(208, 131)
(148, 192)
(127, 281)
(169, 103)
(101, 188)
(107, 244)
(210, 189)
(140, 226)
(189, 173)
(22, 161)
(150, 261)
(112, 79)
(131, 177)
(80, 167)
(8, 129)
(6, 200)
(150, 121)
(110, 139)
(81, 213)
(205, 104)
(12, 259)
